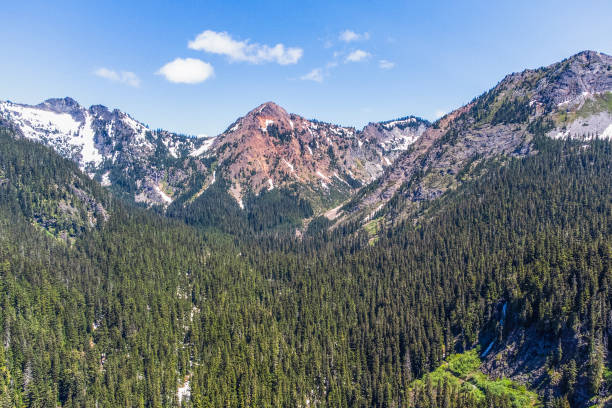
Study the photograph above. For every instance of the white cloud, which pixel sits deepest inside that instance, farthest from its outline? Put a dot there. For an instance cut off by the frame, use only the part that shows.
(222, 43)
(314, 75)
(350, 35)
(384, 64)
(124, 77)
(187, 71)
(357, 55)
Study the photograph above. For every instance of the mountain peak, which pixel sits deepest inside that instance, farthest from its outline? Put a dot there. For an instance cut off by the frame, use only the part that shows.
(588, 55)
(65, 104)
(268, 109)
(261, 117)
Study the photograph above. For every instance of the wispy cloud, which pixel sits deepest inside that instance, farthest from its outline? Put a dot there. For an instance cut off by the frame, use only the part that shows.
(315, 75)
(350, 35)
(123, 77)
(187, 71)
(244, 51)
(319, 74)
(357, 55)
(384, 64)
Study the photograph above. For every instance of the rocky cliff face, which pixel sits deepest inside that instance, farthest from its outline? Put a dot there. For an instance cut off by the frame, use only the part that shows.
(572, 98)
(269, 148)
(110, 146)
(395, 136)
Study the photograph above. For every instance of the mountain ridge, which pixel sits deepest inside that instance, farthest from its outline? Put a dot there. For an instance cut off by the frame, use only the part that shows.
(501, 123)
(325, 164)
(109, 145)
(495, 244)
(269, 148)
(157, 166)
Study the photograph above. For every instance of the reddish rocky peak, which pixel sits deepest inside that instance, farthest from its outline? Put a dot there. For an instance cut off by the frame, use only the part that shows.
(263, 116)
(268, 109)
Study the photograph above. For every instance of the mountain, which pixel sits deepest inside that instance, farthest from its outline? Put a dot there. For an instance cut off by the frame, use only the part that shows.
(49, 191)
(489, 287)
(269, 148)
(498, 296)
(572, 98)
(110, 146)
(381, 172)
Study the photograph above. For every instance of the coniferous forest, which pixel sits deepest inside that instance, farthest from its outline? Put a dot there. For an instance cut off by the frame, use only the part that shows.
(108, 304)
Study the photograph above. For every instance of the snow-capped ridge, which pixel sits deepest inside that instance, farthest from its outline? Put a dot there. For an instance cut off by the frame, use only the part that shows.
(99, 139)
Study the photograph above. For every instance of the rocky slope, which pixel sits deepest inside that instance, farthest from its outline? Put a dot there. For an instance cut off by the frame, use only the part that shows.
(110, 146)
(572, 98)
(402, 161)
(269, 148)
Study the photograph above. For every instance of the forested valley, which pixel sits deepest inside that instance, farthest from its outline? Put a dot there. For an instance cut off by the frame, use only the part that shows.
(107, 304)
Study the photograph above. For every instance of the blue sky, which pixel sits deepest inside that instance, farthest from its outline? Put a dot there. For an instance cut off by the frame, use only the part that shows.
(346, 62)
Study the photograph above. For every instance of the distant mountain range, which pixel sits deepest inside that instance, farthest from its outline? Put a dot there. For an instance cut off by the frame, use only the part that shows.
(267, 148)
(324, 164)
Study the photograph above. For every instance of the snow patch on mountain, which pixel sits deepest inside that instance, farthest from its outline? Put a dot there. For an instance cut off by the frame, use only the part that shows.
(322, 176)
(139, 129)
(390, 125)
(598, 125)
(204, 148)
(289, 165)
(105, 179)
(167, 199)
(267, 123)
(171, 146)
(399, 141)
(36, 123)
(341, 179)
(87, 135)
(70, 137)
